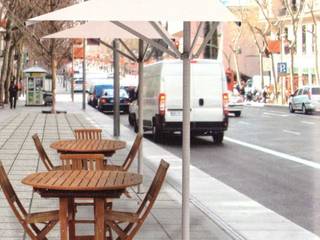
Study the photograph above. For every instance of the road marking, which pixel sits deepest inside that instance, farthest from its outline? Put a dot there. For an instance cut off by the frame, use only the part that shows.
(244, 123)
(276, 114)
(285, 156)
(309, 123)
(291, 132)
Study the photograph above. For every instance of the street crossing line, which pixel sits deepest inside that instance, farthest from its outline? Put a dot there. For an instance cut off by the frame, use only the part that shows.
(309, 123)
(244, 123)
(275, 114)
(275, 153)
(292, 132)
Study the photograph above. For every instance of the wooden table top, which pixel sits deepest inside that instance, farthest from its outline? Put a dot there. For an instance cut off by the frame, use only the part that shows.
(88, 146)
(82, 180)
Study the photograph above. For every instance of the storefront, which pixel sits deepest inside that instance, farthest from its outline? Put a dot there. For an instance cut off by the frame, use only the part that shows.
(35, 80)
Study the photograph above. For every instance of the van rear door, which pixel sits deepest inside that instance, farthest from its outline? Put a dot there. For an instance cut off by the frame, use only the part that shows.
(208, 84)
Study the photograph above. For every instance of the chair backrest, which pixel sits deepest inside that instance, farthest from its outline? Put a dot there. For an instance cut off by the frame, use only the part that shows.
(42, 153)
(88, 134)
(149, 200)
(90, 162)
(133, 152)
(11, 196)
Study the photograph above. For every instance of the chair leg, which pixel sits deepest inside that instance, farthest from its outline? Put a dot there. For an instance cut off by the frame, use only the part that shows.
(109, 230)
(112, 225)
(46, 230)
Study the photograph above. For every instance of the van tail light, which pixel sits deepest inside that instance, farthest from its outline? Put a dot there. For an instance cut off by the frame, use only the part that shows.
(162, 104)
(225, 99)
(103, 101)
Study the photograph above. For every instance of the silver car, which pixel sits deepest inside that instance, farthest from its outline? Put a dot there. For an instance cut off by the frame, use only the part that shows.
(305, 99)
(235, 104)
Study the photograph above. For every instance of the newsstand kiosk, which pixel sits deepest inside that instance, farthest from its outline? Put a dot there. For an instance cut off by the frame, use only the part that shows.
(35, 78)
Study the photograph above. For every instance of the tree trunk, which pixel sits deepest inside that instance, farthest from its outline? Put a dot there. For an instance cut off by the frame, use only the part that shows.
(8, 74)
(19, 62)
(274, 77)
(5, 62)
(235, 56)
(261, 69)
(316, 55)
(292, 70)
(54, 81)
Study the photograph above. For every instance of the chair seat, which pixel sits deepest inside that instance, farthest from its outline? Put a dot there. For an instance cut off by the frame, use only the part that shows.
(121, 216)
(42, 216)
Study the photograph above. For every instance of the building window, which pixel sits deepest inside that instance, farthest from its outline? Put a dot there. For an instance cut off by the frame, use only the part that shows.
(304, 39)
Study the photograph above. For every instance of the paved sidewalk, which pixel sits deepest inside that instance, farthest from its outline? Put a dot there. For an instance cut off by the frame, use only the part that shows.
(213, 203)
(20, 158)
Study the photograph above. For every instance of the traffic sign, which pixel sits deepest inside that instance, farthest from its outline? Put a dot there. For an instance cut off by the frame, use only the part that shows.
(282, 67)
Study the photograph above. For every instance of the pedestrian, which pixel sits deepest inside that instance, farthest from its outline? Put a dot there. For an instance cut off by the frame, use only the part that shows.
(265, 94)
(13, 94)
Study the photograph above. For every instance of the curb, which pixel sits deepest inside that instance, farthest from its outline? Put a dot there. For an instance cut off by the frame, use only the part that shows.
(223, 225)
(277, 106)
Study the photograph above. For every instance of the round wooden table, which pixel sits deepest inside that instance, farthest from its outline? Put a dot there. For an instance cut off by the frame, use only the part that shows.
(70, 184)
(106, 147)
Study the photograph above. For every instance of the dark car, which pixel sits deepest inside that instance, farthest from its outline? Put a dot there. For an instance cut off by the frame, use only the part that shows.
(95, 93)
(106, 101)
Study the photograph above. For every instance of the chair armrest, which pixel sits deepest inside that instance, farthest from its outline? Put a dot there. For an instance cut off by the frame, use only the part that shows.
(121, 216)
(40, 217)
(113, 168)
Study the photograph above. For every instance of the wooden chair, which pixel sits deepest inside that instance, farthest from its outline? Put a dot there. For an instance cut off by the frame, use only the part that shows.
(28, 221)
(129, 159)
(88, 134)
(135, 220)
(89, 162)
(43, 155)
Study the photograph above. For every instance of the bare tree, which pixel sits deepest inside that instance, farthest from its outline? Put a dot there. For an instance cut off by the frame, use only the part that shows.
(52, 52)
(295, 13)
(314, 33)
(272, 25)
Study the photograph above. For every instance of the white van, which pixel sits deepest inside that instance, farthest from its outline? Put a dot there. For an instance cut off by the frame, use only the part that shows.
(163, 99)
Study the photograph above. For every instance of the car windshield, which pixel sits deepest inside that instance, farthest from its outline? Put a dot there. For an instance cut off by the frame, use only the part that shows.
(109, 93)
(100, 88)
(315, 91)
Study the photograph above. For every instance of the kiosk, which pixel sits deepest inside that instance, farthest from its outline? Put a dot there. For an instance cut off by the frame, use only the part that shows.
(35, 81)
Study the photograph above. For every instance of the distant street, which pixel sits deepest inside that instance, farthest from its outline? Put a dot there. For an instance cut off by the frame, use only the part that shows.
(269, 155)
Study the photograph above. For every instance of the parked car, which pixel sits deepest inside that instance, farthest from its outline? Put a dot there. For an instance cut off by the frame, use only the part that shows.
(305, 99)
(163, 99)
(95, 93)
(77, 84)
(106, 101)
(235, 104)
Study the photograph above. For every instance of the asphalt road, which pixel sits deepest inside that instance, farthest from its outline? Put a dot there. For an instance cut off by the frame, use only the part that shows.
(269, 155)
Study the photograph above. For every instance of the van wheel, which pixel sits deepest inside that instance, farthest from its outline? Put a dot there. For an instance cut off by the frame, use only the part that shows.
(237, 114)
(131, 119)
(218, 137)
(291, 108)
(304, 109)
(135, 125)
(157, 134)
